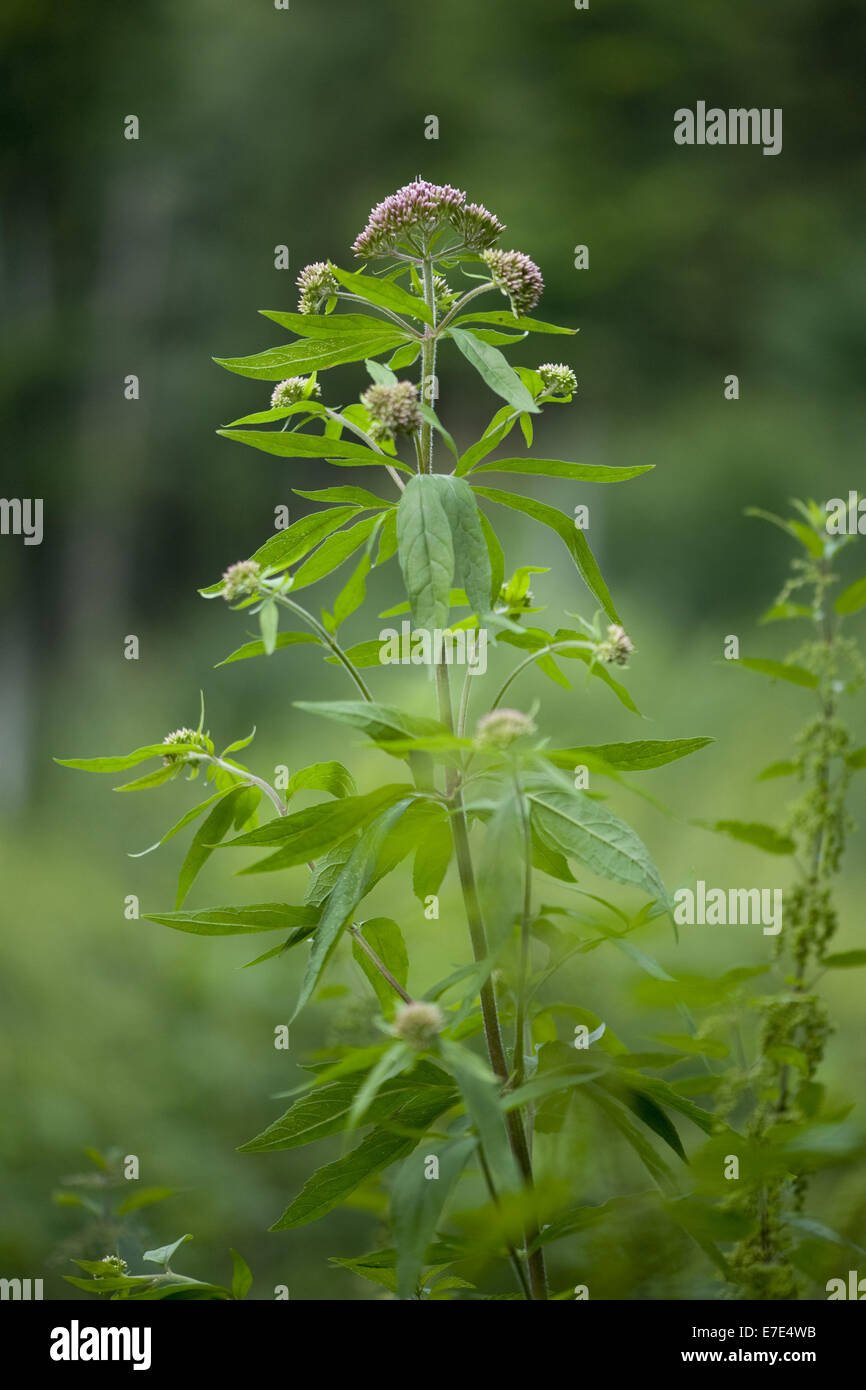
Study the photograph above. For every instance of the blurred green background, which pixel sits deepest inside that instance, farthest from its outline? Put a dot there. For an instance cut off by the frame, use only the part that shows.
(262, 127)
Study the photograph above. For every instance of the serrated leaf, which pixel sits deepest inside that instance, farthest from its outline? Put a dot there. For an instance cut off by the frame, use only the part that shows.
(558, 468)
(329, 1186)
(575, 540)
(495, 370)
(636, 756)
(426, 551)
(584, 829)
(417, 1204)
(239, 921)
(386, 294)
(316, 354)
(471, 556)
(296, 444)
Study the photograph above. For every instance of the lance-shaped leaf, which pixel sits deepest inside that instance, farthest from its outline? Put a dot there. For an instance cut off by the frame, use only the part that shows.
(480, 1091)
(329, 1186)
(852, 599)
(284, 639)
(314, 354)
(417, 1204)
(384, 724)
(351, 886)
(297, 444)
(575, 540)
(329, 325)
(470, 547)
(558, 468)
(210, 833)
(506, 319)
(495, 369)
(288, 546)
(240, 921)
(385, 294)
(426, 551)
(333, 552)
(636, 756)
(778, 670)
(384, 937)
(354, 496)
(125, 760)
(764, 837)
(306, 834)
(325, 1110)
(584, 829)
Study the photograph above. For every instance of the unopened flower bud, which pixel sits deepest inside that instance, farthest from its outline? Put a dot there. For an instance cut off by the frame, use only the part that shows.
(292, 390)
(241, 578)
(501, 727)
(393, 409)
(617, 647)
(558, 378)
(183, 736)
(418, 1023)
(317, 282)
(114, 1264)
(516, 276)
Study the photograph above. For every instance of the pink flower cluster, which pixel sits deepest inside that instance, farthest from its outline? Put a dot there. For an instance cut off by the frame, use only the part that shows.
(411, 217)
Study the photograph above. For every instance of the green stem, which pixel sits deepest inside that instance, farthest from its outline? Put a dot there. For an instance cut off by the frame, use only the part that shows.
(520, 1039)
(329, 641)
(428, 366)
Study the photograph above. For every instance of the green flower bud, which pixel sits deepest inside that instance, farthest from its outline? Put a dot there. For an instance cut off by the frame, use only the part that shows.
(418, 1023)
(617, 648)
(317, 282)
(241, 578)
(393, 409)
(558, 378)
(184, 736)
(501, 727)
(292, 390)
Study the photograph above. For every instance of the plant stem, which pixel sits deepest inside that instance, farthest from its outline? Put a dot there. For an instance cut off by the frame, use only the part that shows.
(330, 641)
(428, 366)
(474, 917)
(525, 919)
(380, 965)
(370, 443)
(245, 776)
(542, 651)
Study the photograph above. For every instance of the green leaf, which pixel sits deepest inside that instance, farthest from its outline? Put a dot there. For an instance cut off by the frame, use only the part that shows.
(778, 670)
(384, 724)
(325, 1110)
(145, 1197)
(557, 468)
(844, 960)
(763, 837)
(654, 1165)
(162, 1255)
(506, 319)
(471, 556)
(577, 544)
(207, 837)
(242, 1279)
(314, 355)
(395, 1060)
(125, 760)
(351, 886)
(636, 756)
(284, 639)
(288, 546)
(386, 939)
(329, 1186)
(152, 779)
(417, 1204)
(333, 552)
(328, 325)
(495, 554)
(781, 769)
(804, 534)
(852, 599)
(306, 834)
(432, 858)
(426, 551)
(480, 1091)
(239, 921)
(269, 620)
(330, 777)
(495, 370)
(296, 444)
(386, 294)
(584, 829)
(355, 496)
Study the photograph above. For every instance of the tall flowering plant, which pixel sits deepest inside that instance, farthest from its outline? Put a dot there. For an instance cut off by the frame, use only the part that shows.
(467, 1133)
